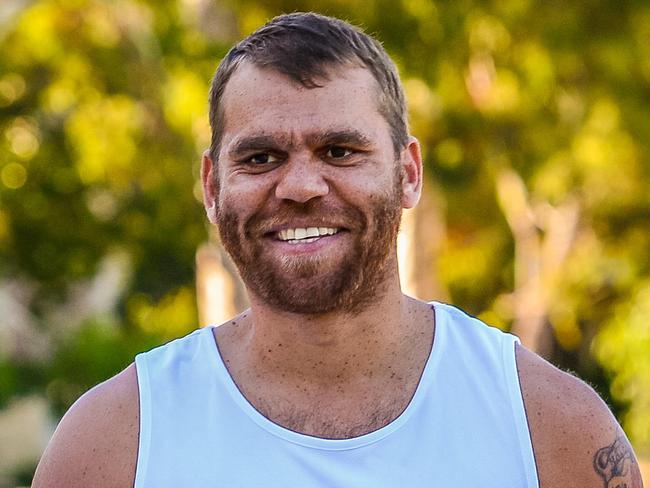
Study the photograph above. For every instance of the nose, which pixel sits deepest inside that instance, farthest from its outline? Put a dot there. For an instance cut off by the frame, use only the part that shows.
(301, 180)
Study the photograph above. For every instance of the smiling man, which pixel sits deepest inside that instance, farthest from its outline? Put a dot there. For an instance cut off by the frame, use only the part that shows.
(333, 377)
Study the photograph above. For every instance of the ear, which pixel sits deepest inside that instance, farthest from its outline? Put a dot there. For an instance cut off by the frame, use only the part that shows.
(411, 161)
(209, 180)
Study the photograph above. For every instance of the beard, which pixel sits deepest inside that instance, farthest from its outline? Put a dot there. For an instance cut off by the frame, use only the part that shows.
(300, 284)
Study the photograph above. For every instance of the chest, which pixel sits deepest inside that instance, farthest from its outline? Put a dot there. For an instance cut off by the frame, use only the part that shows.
(336, 417)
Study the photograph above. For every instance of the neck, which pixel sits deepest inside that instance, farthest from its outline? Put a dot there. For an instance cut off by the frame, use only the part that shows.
(322, 349)
(332, 375)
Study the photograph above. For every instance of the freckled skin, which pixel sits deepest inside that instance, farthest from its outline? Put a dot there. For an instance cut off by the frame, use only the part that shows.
(570, 430)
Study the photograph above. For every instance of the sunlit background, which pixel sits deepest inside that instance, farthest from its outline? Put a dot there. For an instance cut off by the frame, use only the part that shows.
(535, 121)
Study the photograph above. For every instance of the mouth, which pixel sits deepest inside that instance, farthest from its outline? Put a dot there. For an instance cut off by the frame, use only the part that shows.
(305, 235)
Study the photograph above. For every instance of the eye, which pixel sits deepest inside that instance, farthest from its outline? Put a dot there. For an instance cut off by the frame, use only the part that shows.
(262, 158)
(338, 152)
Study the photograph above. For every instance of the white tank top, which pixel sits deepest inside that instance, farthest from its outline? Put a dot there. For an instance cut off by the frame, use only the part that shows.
(464, 427)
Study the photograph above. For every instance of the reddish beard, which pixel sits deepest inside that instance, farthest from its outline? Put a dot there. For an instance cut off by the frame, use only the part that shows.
(300, 286)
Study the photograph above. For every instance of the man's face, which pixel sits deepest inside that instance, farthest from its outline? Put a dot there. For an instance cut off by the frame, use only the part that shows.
(310, 192)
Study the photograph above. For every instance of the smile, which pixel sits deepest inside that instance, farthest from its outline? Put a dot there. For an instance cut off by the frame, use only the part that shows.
(305, 235)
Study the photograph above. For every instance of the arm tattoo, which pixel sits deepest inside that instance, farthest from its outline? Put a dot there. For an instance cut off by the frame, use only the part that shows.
(617, 465)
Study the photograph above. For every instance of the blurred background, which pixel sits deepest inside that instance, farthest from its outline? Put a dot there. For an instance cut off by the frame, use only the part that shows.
(535, 122)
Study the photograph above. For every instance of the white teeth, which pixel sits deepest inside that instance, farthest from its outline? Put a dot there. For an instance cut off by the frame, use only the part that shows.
(303, 241)
(308, 234)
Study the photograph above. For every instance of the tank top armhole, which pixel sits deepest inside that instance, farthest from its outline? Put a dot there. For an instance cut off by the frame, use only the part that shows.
(144, 438)
(519, 413)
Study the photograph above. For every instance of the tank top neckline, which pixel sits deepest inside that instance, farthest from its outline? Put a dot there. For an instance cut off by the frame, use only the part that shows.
(425, 381)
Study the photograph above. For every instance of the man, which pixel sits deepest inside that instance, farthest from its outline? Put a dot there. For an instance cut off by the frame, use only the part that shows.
(333, 377)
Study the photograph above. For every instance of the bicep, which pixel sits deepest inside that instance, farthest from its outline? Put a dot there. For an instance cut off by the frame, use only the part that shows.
(576, 439)
(617, 465)
(96, 442)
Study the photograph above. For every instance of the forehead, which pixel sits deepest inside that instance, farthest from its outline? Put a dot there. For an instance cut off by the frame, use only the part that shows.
(261, 100)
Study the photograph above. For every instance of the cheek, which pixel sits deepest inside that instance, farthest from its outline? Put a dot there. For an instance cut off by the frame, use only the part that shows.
(243, 193)
(367, 190)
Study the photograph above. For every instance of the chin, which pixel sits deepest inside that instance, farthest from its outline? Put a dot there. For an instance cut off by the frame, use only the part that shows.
(308, 290)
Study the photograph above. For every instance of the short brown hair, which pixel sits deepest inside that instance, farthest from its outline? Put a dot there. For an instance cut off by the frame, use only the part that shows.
(305, 46)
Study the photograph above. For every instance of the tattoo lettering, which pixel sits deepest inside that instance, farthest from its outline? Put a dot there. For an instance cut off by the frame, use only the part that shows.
(617, 466)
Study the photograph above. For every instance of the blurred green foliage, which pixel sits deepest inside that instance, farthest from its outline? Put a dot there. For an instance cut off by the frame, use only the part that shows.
(103, 119)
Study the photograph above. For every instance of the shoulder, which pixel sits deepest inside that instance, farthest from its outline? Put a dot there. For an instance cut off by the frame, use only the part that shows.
(96, 442)
(576, 439)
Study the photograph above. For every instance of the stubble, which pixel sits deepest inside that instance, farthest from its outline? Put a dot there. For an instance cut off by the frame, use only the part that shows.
(300, 285)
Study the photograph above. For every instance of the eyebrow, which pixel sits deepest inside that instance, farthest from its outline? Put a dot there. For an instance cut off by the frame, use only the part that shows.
(345, 136)
(253, 143)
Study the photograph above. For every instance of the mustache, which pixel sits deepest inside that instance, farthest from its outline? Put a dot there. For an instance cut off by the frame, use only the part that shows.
(317, 213)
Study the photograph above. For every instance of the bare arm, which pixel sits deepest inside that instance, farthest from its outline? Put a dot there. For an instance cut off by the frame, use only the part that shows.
(96, 442)
(576, 439)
